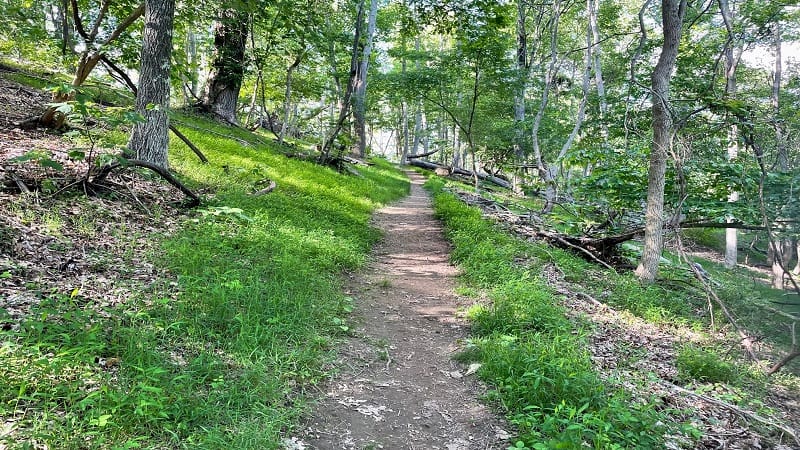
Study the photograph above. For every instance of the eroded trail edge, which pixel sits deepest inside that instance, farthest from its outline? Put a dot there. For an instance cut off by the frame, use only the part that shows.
(399, 387)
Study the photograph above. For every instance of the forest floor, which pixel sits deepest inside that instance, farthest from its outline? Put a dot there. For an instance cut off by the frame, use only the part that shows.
(398, 385)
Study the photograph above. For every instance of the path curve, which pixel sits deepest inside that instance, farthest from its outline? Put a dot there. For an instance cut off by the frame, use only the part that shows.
(399, 387)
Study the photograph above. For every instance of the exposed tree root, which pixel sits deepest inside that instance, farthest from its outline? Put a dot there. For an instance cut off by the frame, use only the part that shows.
(194, 200)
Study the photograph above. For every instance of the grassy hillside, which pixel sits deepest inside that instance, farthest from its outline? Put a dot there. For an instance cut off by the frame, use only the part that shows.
(580, 356)
(219, 351)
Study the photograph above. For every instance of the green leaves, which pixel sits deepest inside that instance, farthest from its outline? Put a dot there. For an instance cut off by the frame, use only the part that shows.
(42, 158)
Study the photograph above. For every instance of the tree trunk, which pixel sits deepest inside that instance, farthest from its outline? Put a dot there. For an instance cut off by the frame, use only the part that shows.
(287, 100)
(546, 174)
(360, 107)
(672, 14)
(149, 139)
(348, 93)
(227, 71)
(782, 161)
(731, 64)
(191, 50)
(781, 251)
(66, 28)
(519, 97)
(93, 53)
(796, 270)
(584, 97)
(598, 70)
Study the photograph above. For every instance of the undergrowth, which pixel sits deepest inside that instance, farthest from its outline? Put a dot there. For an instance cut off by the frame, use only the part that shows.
(534, 358)
(222, 356)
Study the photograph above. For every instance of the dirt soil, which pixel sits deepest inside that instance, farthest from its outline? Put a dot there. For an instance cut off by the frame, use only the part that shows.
(399, 386)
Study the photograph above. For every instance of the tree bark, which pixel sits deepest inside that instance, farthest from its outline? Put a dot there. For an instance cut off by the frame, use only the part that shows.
(360, 107)
(227, 71)
(348, 93)
(149, 139)
(519, 96)
(731, 64)
(546, 174)
(672, 14)
(287, 100)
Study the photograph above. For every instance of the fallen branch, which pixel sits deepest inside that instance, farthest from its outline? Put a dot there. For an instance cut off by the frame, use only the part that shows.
(583, 250)
(746, 341)
(794, 353)
(164, 173)
(18, 181)
(433, 166)
(742, 412)
(422, 155)
(189, 143)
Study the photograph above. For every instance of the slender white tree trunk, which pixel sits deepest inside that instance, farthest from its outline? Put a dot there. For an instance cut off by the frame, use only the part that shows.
(360, 100)
(731, 64)
(519, 97)
(546, 173)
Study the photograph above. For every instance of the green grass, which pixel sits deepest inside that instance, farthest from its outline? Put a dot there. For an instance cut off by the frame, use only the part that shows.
(533, 357)
(536, 360)
(223, 358)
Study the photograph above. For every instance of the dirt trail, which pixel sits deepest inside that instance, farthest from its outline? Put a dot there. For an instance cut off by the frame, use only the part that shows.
(399, 387)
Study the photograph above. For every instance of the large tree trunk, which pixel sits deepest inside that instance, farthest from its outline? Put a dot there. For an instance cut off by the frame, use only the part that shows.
(672, 14)
(227, 71)
(360, 107)
(149, 139)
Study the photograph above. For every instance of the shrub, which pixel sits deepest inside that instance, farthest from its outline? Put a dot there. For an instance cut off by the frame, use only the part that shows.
(695, 363)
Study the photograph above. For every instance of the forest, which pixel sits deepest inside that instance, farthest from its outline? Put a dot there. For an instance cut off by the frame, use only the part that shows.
(165, 167)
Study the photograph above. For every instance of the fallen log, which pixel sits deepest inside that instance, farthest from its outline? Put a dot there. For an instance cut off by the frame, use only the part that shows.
(422, 155)
(458, 171)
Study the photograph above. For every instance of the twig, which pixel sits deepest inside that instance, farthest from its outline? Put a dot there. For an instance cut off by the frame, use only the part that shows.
(20, 184)
(735, 409)
(747, 341)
